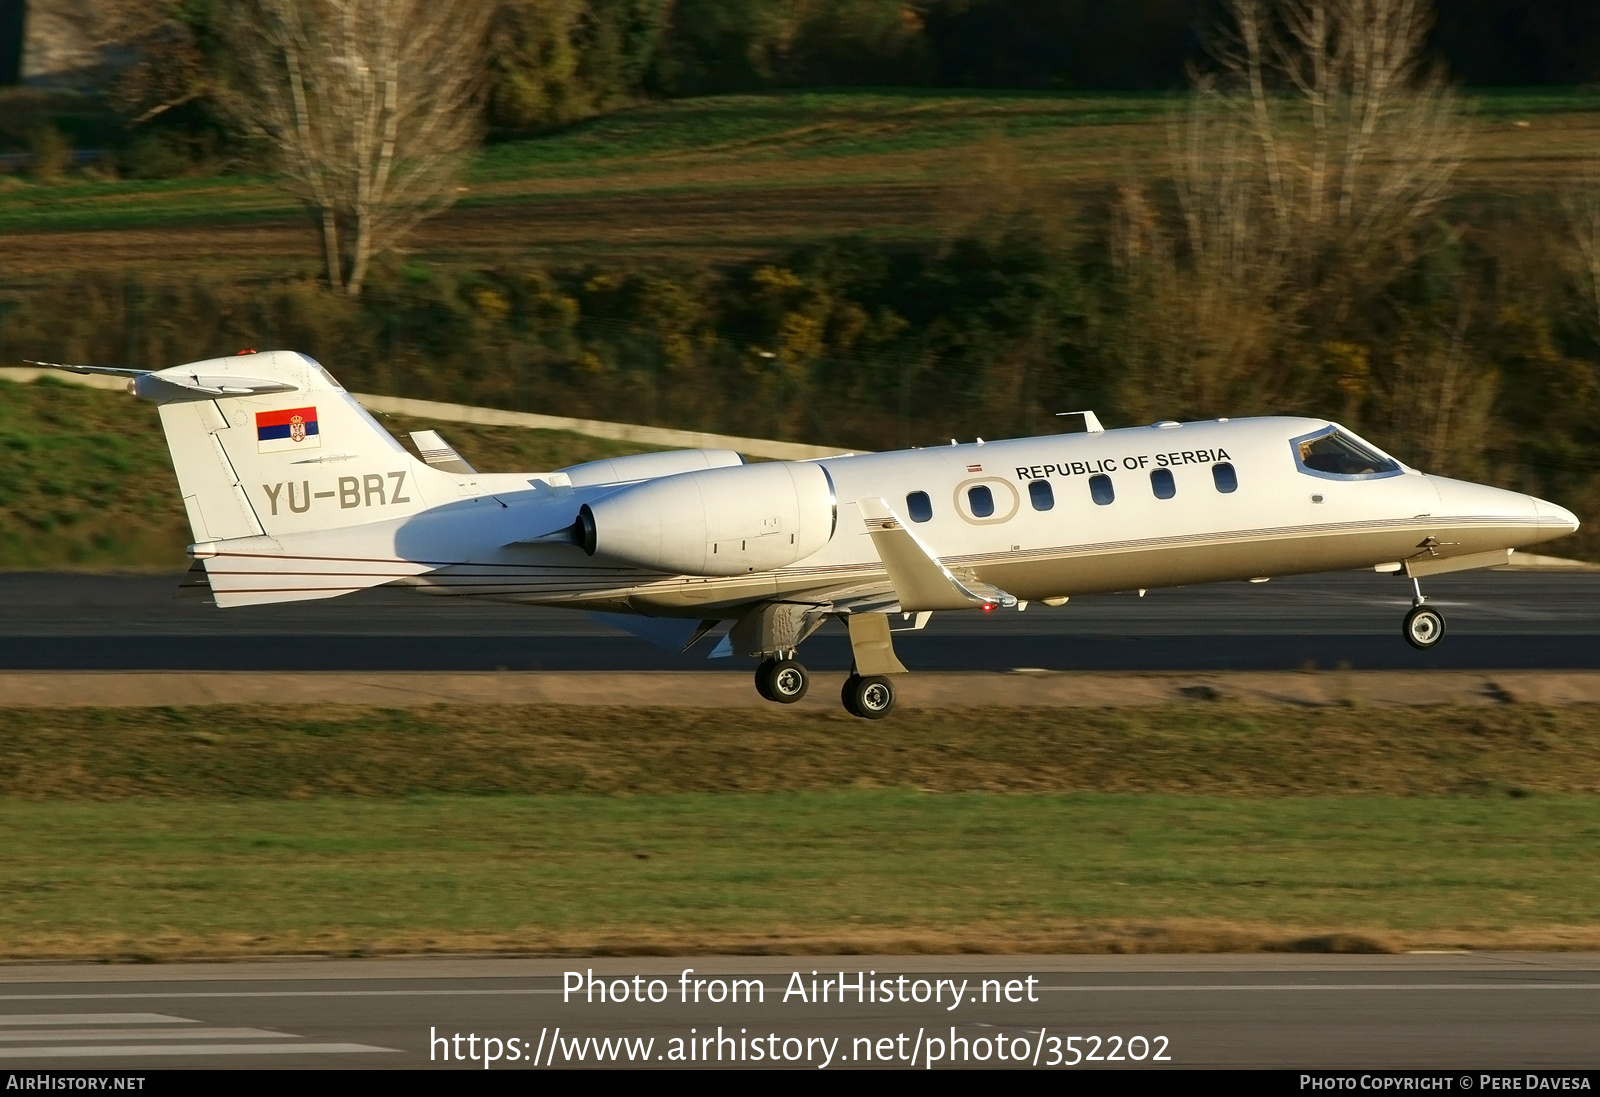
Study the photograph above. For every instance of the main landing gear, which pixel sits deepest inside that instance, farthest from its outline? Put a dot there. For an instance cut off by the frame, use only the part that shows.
(1424, 625)
(870, 697)
(782, 679)
(786, 680)
(868, 692)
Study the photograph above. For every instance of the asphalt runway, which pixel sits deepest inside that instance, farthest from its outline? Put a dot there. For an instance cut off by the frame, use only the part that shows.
(1447, 1012)
(1496, 620)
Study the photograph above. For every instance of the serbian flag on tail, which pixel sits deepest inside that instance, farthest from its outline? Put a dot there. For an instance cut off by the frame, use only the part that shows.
(291, 428)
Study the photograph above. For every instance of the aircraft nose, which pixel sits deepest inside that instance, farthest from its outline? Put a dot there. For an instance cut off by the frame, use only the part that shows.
(1553, 520)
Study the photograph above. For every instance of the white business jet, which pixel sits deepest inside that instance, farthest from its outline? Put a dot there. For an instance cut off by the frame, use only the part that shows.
(295, 492)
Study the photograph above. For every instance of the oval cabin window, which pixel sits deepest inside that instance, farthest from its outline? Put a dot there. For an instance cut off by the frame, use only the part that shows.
(981, 500)
(919, 506)
(1225, 478)
(1101, 491)
(1162, 483)
(1042, 495)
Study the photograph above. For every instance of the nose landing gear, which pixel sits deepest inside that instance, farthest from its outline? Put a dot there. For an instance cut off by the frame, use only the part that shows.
(1424, 625)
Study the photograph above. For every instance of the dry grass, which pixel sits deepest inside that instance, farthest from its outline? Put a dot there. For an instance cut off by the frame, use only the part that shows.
(1220, 750)
(1118, 937)
(234, 831)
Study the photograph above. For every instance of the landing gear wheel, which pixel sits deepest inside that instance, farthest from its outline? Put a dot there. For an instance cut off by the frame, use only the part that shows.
(871, 698)
(782, 680)
(764, 678)
(1424, 627)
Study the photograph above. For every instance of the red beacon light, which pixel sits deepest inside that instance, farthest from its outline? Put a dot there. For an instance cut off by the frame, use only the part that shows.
(247, 350)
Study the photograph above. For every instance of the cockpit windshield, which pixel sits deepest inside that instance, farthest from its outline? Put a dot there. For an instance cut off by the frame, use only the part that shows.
(1332, 452)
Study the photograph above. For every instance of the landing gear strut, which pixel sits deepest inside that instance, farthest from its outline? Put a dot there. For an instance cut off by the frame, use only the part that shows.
(784, 680)
(1424, 625)
(868, 692)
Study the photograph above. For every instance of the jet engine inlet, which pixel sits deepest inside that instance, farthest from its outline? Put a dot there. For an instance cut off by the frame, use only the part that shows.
(715, 522)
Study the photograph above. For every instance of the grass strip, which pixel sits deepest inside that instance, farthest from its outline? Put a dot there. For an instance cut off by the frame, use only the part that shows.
(89, 481)
(849, 870)
(1219, 749)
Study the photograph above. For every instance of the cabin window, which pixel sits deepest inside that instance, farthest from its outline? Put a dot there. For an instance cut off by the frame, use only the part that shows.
(981, 500)
(1226, 479)
(1043, 496)
(1333, 453)
(1100, 490)
(1162, 483)
(919, 506)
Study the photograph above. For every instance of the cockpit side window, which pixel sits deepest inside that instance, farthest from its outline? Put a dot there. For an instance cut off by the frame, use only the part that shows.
(1335, 455)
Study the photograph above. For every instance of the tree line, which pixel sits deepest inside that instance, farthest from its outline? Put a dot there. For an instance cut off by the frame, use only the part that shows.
(557, 56)
(1306, 249)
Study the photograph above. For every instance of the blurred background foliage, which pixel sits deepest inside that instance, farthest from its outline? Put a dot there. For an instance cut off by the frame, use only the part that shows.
(1466, 340)
(861, 343)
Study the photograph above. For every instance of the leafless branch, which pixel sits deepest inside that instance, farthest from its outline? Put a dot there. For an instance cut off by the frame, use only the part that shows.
(1582, 205)
(371, 107)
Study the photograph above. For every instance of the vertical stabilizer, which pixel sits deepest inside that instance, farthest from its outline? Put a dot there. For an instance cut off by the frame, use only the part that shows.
(269, 444)
(292, 489)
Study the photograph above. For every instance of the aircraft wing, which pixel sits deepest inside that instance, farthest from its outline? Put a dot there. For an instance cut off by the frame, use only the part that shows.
(921, 581)
(672, 633)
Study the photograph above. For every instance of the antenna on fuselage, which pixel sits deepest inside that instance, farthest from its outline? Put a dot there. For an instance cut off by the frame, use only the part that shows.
(1091, 421)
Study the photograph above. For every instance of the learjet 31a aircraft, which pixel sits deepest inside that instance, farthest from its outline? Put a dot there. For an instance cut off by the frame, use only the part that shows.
(295, 492)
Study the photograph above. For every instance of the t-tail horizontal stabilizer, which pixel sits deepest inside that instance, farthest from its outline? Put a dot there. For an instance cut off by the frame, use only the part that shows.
(921, 581)
(171, 386)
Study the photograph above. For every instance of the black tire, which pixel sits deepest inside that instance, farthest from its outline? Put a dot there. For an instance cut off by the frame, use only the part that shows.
(871, 698)
(787, 681)
(764, 678)
(1423, 628)
(848, 694)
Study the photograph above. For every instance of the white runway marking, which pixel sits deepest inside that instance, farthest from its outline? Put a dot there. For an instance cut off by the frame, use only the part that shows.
(1324, 987)
(91, 1019)
(276, 994)
(1137, 988)
(87, 1036)
(140, 1050)
(146, 1034)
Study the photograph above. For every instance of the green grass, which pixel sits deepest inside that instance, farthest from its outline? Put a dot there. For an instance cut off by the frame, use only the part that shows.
(234, 831)
(808, 125)
(1505, 751)
(89, 482)
(850, 869)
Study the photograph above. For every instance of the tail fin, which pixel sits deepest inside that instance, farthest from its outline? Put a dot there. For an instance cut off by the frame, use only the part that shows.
(268, 449)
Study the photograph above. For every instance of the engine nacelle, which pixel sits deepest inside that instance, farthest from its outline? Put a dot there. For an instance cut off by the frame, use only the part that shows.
(648, 466)
(727, 521)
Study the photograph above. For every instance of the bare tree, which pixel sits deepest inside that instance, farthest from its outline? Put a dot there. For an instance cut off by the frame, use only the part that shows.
(156, 60)
(1355, 136)
(1582, 204)
(1304, 165)
(370, 106)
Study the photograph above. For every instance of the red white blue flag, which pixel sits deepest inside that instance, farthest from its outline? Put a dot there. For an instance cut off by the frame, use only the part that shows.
(291, 428)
